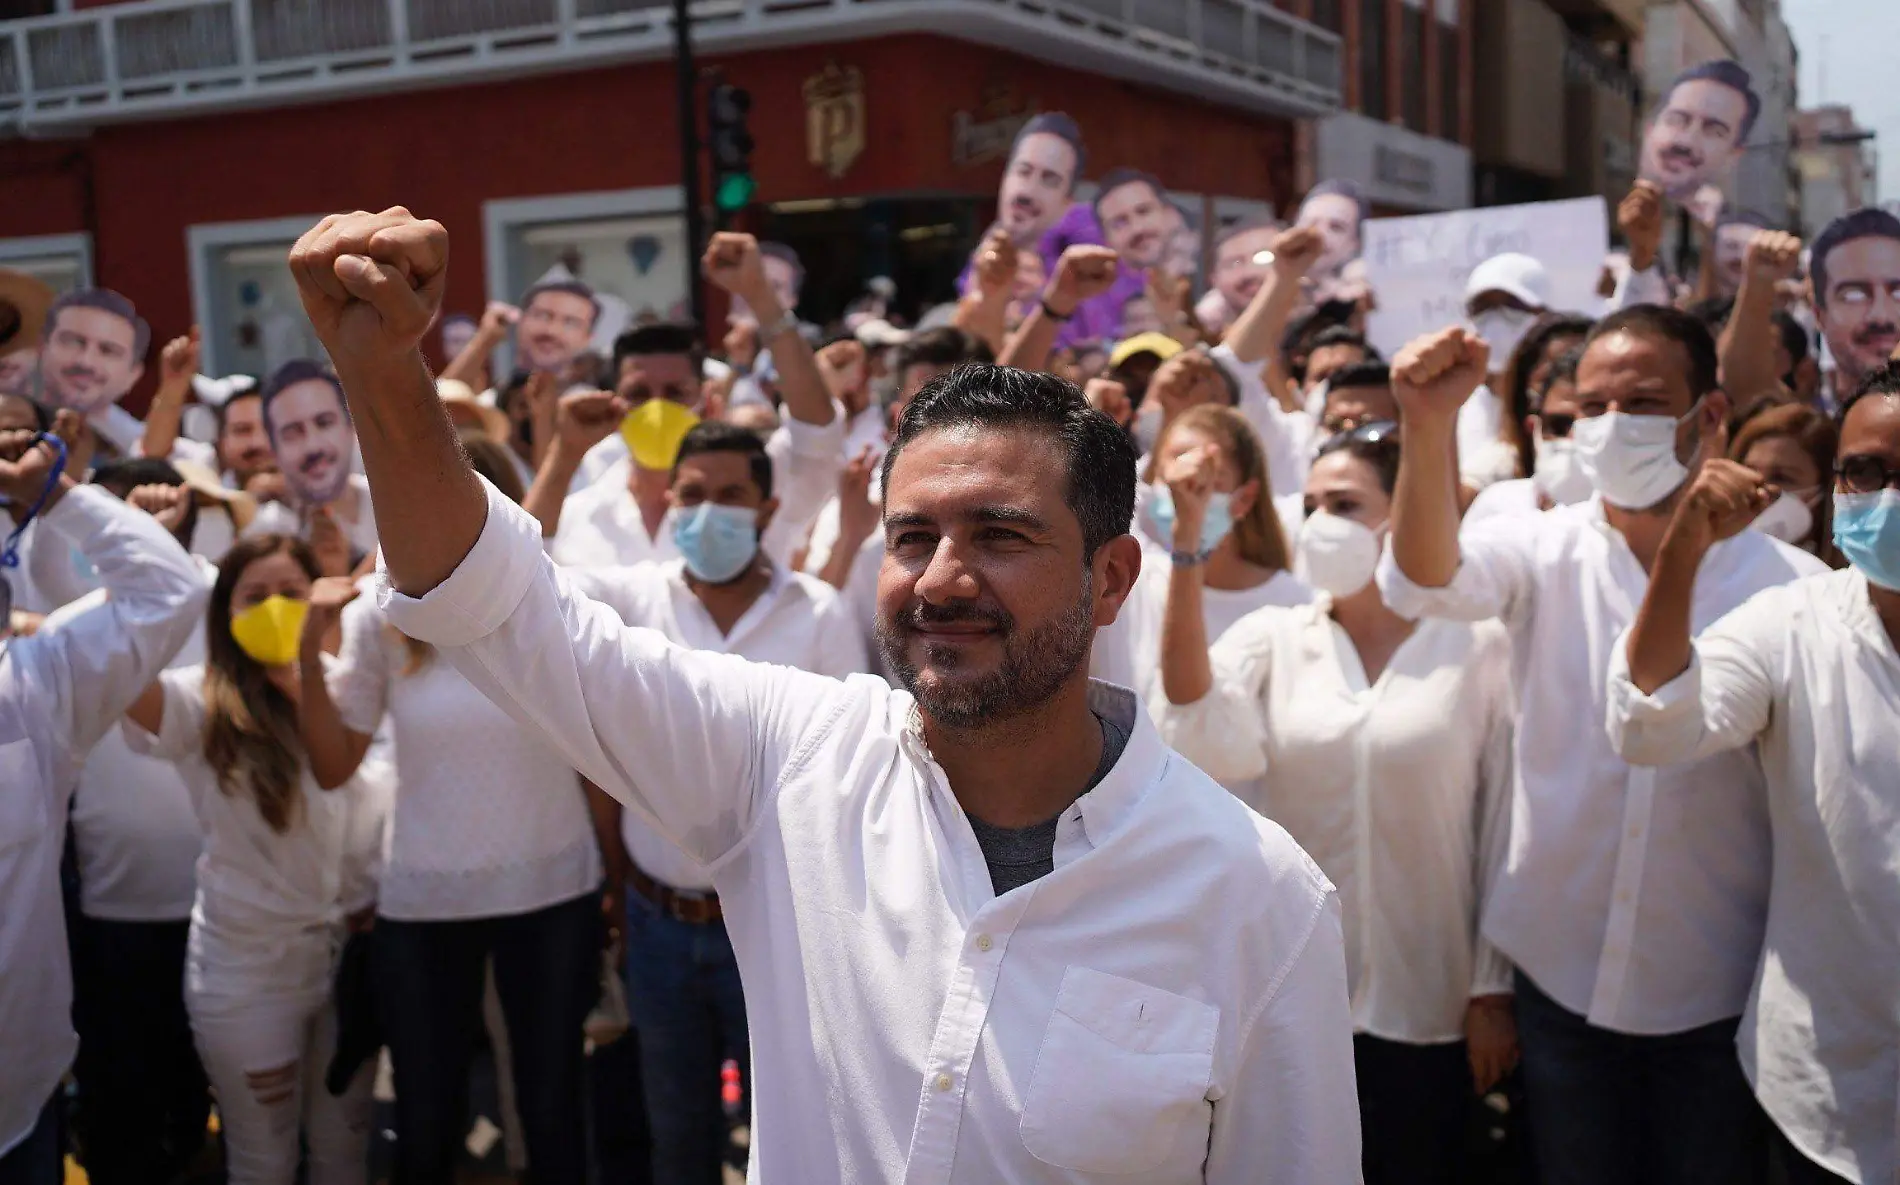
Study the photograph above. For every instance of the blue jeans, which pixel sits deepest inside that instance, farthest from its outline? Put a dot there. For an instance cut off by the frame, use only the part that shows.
(684, 998)
(1673, 1109)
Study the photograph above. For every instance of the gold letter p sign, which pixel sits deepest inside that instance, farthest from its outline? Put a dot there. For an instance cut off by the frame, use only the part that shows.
(834, 119)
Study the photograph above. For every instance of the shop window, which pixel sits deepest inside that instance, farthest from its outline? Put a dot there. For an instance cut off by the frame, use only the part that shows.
(1372, 91)
(628, 245)
(62, 262)
(1412, 67)
(1449, 61)
(244, 299)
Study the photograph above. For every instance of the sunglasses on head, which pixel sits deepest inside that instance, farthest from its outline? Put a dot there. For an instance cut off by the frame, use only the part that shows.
(1374, 432)
(1866, 474)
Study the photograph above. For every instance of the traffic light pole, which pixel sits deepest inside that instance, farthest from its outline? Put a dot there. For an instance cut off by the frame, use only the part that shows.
(687, 80)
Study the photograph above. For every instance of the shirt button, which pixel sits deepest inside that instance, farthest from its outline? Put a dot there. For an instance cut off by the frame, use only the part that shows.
(983, 942)
(943, 1083)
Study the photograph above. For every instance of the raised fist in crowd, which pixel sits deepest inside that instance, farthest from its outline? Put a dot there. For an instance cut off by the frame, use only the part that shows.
(1295, 251)
(1772, 256)
(1083, 273)
(371, 284)
(1640, 217)
(1434, 375)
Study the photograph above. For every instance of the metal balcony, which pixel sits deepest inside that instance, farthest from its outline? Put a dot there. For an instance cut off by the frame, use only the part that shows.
(169, 58)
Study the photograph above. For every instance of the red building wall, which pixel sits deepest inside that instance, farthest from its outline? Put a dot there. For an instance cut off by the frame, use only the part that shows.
(444, 152)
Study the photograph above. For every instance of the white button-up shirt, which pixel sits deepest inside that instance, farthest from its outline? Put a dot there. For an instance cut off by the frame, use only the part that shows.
(1805, 679)
(798, 621)
(59, 693)
(1633, 897)
(602, 527)
(1169, 1002)
(1399, 788)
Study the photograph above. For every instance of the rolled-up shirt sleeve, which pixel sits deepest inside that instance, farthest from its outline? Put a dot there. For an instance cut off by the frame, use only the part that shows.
(1225, 731)
(806, 461)
(1494, 577)
(1722, 701)
(691, 741)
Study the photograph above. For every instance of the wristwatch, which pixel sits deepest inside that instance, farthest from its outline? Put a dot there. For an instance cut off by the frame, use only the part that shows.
(1189, 559)
(788, 321)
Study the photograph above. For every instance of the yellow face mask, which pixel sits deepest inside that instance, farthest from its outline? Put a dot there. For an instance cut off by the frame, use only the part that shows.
(653, 432)
(271, 630)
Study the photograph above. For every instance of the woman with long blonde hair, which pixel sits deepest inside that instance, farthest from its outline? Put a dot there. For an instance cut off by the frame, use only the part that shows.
(285, 864)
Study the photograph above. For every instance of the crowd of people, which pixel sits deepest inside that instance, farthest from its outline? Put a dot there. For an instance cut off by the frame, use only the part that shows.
(1222, 754)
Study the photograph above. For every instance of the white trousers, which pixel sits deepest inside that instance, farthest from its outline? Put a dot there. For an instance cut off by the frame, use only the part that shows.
(266, 1049)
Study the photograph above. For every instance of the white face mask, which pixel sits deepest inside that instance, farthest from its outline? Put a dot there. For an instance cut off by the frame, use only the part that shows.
(1787, 518)
(1502, 330)
(1336, 555)
(1632, 460)
(1559, 475)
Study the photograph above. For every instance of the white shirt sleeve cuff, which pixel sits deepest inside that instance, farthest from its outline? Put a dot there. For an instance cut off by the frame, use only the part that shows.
(485, 587)
(1674, 697)
(1408, 599)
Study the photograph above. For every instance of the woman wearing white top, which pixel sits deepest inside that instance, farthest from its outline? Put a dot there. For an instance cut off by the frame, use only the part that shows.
(1234, 554)
(1384, 745)
(491, 854)
(1806, 676)
(284, 864)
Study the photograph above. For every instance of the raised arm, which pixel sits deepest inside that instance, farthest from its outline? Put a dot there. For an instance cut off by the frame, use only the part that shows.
(469, 365)
(334, 748)
(733, 262)
(1084, 272)
(1640, 217)
(1432, 377)
(582, 419)
(177, 363)
(983, 313)
(1747, 345)
(372, 285)
(1256, 333)
(857, 519)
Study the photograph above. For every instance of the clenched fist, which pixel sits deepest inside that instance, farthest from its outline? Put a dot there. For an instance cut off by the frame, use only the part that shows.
(178, 361)
(1434, 375)
(371, 284)
(734, 262)
(1723, 498)
(1772, 256)
(1083, 273)
(996, 264)
(1640, 217)
(1295, 251)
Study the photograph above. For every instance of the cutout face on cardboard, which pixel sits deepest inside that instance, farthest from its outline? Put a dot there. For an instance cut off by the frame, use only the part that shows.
(91, 351)
(310, 431)
(1855, 270)
(557, 322)
(1039, 179)
(1700, 129)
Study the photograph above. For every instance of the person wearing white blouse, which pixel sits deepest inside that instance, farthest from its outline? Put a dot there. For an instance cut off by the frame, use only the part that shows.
(1804, 678)
(285, 866)
(492, 856)
(1382, 745)
(1233, 552)
(1632, 901)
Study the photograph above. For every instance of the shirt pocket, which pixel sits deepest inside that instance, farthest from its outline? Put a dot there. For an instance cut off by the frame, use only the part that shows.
(1123, 1069)
(22, 797)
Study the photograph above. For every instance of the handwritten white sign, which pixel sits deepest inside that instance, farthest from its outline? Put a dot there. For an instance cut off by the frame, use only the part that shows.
(1418, 265)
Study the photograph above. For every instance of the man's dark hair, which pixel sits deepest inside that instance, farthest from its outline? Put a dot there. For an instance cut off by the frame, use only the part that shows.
(784, 254)
(1115, 178)
(1871, 223)
(42, 414)
(1340, 187)
(1794, 338)
(123, 475)
(1369, 373)
(1729, 74)
(1097, 455)
(1536, 344)
(1241, 226)
(945, 345)
(1669, 324)
(1302, 335)
(1342, 335)
(1563, 368)
(299, 370)
(1882, 381)
(717, 436)
(1061, 126)
(571, 287)
(222, 412)
(666, 337)
(107, 301)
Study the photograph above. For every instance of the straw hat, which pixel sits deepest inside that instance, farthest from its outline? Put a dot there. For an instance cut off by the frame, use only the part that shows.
(206, 488)
(468, 411)
(23, 304)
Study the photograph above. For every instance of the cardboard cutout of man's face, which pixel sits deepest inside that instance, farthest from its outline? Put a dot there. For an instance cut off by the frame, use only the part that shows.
(785, 282)
(1336, 217)
(89, 359)
(1138, 222)
(312, 439)
(553, 328)
(1236, 276)
(1036, 186)
(1860, 309)
(457, 332)
(1695, 138)
(1731, 255)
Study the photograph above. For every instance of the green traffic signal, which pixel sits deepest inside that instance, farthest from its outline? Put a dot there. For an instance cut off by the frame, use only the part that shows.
(734, 192)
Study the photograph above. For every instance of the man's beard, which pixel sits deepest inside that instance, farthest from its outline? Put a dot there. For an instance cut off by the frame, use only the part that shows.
(1035, 663)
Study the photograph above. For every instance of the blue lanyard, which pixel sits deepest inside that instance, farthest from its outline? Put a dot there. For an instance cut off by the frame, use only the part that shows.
(10, 555)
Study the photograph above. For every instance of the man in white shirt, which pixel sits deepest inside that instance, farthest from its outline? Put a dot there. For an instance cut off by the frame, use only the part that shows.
(618, 517)
(975, 940)
(1632, 901)
(59, 693)
(724, 596)
(1805, 679)
(1504, 296)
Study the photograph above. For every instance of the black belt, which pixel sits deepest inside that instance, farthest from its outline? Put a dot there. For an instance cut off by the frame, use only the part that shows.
(697, 909)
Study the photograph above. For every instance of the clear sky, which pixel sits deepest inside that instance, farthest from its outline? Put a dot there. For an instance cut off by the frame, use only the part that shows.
(1847, 57)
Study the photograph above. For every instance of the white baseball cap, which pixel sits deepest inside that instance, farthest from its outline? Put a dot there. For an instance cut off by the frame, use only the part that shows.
(1518, 275)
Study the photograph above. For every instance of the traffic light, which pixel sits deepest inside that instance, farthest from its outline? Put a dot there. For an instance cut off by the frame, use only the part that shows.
(731, 146)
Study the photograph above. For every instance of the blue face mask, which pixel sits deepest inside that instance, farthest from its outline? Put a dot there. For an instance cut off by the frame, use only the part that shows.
(1867, 530)
(717, 542)
(1214, 527)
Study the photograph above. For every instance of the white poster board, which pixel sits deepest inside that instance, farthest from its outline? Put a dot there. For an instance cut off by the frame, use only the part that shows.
(1418, 265)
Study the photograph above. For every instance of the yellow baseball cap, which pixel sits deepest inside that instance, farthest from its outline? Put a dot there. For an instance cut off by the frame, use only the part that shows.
(1158, 344)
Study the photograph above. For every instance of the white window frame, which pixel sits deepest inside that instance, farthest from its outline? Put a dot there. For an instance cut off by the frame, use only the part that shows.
(500, 216)
(202, 239)
(35, 246)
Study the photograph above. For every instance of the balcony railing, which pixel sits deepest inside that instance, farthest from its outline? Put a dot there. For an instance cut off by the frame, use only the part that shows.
(160, 58)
